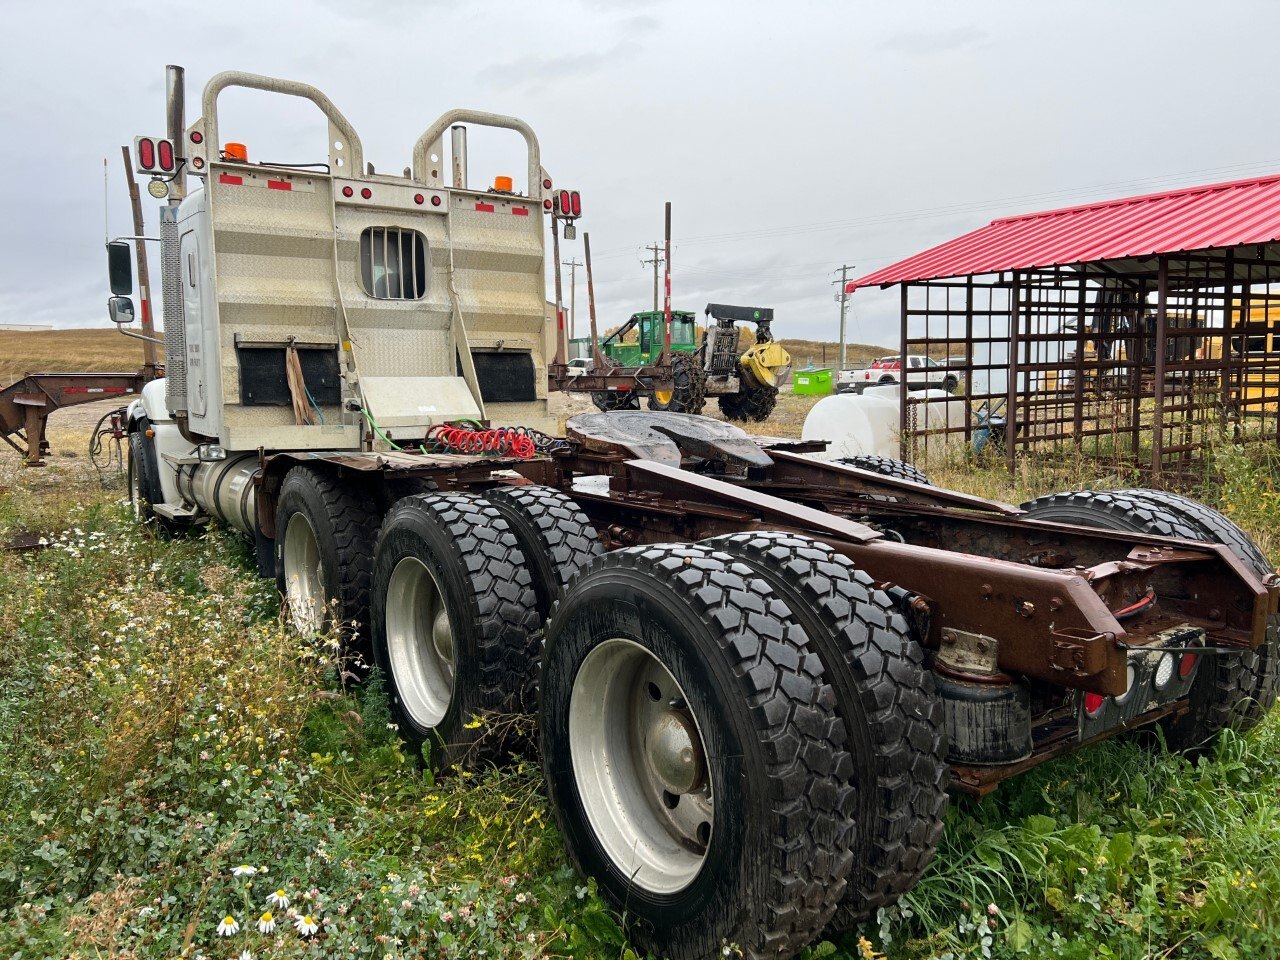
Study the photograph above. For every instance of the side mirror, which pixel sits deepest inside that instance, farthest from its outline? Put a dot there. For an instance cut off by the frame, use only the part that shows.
(121, 310)
(120, 268)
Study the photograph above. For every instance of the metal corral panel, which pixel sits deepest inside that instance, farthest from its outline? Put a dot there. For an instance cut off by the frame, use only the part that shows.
(1198, 218)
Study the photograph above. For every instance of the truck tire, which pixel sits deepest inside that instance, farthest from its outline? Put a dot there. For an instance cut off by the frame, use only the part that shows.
(885, 697)
(887, 466)
(659, 658)
(324, 552)
(144, 485)
(454, 628)
(1262, 677)
(749, 403)
(1229, 690)
(607, 401)
(554, 535)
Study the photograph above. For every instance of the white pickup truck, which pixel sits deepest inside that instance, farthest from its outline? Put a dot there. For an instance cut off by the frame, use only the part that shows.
(923, 373)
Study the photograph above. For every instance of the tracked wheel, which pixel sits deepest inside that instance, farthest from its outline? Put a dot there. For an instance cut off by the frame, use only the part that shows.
(885, 697)
(1228, 691)
(455, 628)
(693, 756)
(607, 401)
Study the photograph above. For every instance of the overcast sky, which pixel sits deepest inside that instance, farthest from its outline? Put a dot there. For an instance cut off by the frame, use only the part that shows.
(791, 137)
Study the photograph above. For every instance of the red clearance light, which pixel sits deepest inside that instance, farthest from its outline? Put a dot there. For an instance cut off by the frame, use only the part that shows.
(165, 149)
(575, 204)
(418, 198)
(146, 153)
(546, 184)
(348, 192)
(1187, 664)
(1093, 703)
(547, 203)
(435, 200)
(197, 136)
(366, 193)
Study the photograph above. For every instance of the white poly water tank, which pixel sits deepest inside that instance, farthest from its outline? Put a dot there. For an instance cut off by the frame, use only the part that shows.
(854, 424)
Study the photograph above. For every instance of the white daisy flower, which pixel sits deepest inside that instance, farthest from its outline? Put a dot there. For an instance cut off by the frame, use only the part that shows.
(229, 926)
(244, 870)
(267, 922)
(306, 924)
(245, 954)
(279, 899)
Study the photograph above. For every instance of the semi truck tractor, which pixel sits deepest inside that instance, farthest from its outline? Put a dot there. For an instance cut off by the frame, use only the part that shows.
(756, 676)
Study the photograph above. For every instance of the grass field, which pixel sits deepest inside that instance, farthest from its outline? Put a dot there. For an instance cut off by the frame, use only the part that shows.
(159, 727)
(92, 350)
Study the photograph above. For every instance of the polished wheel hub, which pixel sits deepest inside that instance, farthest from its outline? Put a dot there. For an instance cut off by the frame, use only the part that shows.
(640, 764)
(303, 575)
(419, 642)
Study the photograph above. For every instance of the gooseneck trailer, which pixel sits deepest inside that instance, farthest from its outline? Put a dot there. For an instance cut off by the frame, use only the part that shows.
(755, 675)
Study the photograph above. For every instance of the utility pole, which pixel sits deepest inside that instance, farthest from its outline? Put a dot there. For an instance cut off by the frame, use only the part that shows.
(844, 301)
(573, 294)
(656, 249)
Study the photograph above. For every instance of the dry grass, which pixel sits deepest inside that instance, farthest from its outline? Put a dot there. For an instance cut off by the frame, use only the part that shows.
(90, 349)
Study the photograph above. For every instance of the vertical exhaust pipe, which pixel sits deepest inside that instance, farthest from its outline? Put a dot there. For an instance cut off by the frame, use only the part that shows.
(458, 136)
(175, 114)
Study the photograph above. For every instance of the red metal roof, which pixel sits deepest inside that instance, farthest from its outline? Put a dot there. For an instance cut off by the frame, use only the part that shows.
(1194, 218)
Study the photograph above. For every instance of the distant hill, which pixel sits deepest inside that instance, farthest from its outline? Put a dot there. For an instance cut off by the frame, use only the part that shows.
(826, 354)
(54, 351)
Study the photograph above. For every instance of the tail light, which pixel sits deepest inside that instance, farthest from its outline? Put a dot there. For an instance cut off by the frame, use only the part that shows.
(1093, 703)
(564, 203)
(165, 150)
(1187, 664)
(146, 153)
(575, 203)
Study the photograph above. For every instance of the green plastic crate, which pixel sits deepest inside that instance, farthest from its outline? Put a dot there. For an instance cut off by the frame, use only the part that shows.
(813, 383)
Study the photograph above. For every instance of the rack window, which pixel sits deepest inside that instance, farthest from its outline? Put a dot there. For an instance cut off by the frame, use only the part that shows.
(393, 263)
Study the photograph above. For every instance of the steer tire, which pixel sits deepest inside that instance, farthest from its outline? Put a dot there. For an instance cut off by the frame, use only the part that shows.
(554, 534)
(887, 466)
(769, 872)
(1225, 690)
(460, 560)
(885, 697)
(344, 527)
(144, 481)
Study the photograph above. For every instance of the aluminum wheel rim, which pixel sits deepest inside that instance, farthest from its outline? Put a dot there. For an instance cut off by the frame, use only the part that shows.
(303, 574)
(639, 761)
(419, 642)
(135, 490)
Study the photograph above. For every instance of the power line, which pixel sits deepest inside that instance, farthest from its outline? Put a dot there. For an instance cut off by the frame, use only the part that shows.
(656, 249)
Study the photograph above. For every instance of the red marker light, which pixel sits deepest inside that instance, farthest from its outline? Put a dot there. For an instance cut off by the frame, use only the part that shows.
(546, 184)
(575, 204)
(435, 200)
(197, 136)
(1093, 703)
(418, 198)
(1187, 664)
(547, 204)
(146, 153)
(348, 192)
(366, 193)
(165, 149)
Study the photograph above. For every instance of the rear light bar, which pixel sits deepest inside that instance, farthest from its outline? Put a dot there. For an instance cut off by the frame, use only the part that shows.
(155, 156)
(568, 204)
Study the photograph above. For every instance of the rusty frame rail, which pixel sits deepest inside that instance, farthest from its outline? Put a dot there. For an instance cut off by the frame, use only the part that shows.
(25, 406)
